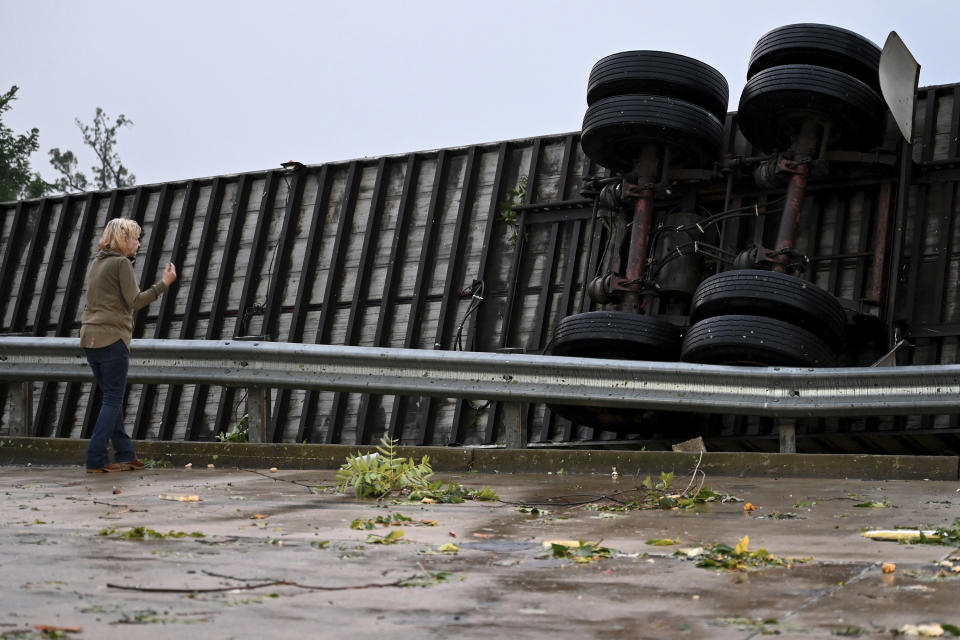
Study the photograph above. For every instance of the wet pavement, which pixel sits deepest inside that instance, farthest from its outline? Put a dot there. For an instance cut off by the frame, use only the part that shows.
(277, 558)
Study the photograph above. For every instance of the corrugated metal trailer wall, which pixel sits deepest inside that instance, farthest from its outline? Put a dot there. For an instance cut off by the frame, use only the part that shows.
(390, 251)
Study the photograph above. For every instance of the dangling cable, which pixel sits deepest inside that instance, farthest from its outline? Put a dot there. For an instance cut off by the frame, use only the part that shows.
(475, 290)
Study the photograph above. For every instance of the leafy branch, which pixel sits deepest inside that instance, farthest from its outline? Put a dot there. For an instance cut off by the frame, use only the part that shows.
(508, 213)
(101, 137)
(16, 179)
(377, 475)
(381, 474)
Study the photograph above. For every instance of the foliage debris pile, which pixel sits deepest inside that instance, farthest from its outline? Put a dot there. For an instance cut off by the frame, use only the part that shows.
(384, 473)
(737, 558)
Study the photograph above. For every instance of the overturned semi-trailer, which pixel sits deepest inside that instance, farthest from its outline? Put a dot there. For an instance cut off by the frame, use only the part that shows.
(801, 230)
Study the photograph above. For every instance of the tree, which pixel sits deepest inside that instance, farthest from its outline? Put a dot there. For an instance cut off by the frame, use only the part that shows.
(101, 136)
(16, 179)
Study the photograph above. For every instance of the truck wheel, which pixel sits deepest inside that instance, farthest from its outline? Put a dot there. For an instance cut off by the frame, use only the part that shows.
(659, 73)
(754, 341)
(620, 336)
(615, 129)
(776, 101)
(617, 335)
(822, 45)
(770, 294)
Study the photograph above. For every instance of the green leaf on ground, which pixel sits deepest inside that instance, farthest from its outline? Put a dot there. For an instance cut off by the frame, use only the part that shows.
(663, 542)
(393, 537)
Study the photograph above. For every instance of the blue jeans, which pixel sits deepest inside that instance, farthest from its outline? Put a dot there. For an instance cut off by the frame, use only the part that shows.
(109, 366)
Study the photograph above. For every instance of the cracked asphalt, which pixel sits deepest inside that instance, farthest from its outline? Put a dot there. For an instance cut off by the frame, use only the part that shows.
(278, 558)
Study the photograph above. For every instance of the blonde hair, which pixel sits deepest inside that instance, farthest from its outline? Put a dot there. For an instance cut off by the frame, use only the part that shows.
(117, 232)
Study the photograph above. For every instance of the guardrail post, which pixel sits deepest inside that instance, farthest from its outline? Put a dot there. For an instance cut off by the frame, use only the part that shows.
(21, 415)
(515, 415)
(515, 423)
(788, 435)
(258, 414)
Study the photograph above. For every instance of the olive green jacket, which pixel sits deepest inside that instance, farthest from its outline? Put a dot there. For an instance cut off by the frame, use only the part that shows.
(112, 297)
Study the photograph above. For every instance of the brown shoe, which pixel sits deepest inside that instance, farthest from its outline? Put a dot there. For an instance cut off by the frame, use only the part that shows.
(111, 468)
(135, 465)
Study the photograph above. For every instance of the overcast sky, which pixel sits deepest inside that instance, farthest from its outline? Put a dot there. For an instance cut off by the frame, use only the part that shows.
(216, 87)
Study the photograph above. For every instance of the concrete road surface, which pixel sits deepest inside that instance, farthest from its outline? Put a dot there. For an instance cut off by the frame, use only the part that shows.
(278, 558)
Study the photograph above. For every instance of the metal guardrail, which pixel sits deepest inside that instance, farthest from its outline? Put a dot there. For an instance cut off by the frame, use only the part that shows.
(779, 392)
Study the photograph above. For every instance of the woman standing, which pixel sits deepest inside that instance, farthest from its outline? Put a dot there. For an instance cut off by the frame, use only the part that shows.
(112, 297)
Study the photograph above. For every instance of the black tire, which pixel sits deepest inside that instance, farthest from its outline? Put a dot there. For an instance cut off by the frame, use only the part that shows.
(617, 335)
(776, 101)
(620, 336)
(822, 45)
(659, 73)
(616, 129)
(772, 295)
(754, 341)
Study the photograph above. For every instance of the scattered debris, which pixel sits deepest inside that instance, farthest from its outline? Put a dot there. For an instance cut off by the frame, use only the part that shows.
(943, 535)
(613, 474)
(778, 515)
(765, 627)
(749, 507)
(391, 538)
(535, 511)
(379, 476)
(52, 630)
(143, 533)
(900, 535)
(737, 558)
(580, 551)
(930, 630)
(179, 498)
(428, 579)
(651, 495)
(875, 504)
(888, 567)
(210, 466)
(151, 463)
(239, 433)
(310, 488)
(189, 465)
(320, 544)
(949, 568)
(273, 469)
(663, 542)
(695, 445)
(149, 616)
(393, 519)
(452, 492)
